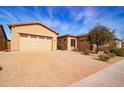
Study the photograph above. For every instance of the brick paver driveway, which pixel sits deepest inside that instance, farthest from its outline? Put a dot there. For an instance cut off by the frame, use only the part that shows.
(57, 68)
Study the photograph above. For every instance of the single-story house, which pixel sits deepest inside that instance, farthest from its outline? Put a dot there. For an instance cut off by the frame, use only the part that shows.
(118, 43)
(71, 42)
(4, 42)
(32, 36)
(80, 42)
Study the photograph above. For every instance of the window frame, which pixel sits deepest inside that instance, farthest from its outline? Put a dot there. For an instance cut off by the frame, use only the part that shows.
(33, 36)
(48, 38)
(24, 35)
(41, 37)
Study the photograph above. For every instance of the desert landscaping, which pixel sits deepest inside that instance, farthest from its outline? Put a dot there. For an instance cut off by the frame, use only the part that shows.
(41, 58)
(55, 68)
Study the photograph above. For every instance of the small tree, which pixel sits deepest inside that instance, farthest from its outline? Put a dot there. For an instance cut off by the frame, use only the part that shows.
(100, 35)
(112, 44)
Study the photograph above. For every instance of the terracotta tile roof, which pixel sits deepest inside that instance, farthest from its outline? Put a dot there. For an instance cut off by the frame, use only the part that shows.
(68, 35)
(82, 35)
(30, 23)
(71, 35)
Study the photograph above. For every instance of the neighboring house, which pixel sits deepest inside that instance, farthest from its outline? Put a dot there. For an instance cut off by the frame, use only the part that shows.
(32, 36)
(118, 43)
(71, 42)
(3, 39)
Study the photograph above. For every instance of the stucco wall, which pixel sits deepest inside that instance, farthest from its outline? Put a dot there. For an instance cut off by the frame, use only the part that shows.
(31, 29)
(62, 41)
(118, 44)
(122, 44)
(83, 43)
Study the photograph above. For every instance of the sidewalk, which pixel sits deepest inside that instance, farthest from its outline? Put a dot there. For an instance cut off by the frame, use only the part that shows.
(113, 76)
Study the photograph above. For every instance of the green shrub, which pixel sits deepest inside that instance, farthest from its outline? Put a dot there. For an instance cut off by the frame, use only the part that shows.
(61, 47)
(1, 67)
(118, 51)
(111, 55)
(87, 52)
(104, 57)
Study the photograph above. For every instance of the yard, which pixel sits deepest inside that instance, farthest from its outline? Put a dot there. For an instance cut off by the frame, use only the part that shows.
(57, 68)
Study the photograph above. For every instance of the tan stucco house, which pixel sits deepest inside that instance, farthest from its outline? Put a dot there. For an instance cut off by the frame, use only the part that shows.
(32, 36)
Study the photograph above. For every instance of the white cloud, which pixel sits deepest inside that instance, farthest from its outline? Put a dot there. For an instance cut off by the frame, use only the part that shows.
(86, 16)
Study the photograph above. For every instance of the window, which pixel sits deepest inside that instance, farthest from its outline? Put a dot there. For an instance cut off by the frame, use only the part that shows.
(64, 39)
(23, 35)
(41, 37)
(73, 42)
(60, 40)
(33, 36)
(48, 37)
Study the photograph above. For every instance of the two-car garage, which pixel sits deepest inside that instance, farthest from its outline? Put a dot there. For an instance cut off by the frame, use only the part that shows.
(35, 42)
(32, 37)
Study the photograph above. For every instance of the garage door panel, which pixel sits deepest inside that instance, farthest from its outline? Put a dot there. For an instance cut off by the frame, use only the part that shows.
(35, 44)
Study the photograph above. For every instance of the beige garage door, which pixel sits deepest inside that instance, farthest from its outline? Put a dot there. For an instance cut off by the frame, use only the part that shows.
(35, 43)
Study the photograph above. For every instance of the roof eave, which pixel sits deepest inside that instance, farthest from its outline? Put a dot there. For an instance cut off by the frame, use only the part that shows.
(13, 25)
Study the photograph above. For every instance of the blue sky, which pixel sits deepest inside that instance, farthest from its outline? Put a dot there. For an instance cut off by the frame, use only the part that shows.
(73, 20)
